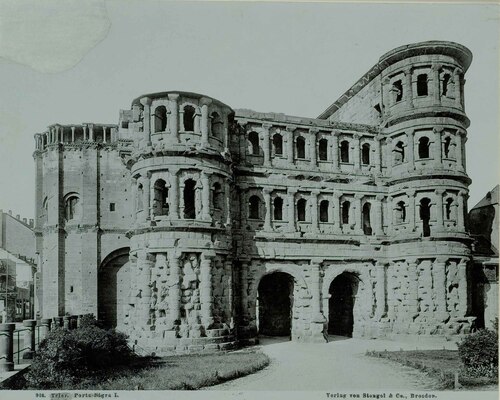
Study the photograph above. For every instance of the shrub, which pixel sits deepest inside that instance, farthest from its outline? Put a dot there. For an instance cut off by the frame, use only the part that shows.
(66, 357)
(479, 353)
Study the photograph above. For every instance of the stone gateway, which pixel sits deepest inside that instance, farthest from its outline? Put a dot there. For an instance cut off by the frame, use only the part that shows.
(191, 226)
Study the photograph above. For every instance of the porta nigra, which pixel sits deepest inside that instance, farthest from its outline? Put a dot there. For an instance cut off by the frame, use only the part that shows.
(192, 226)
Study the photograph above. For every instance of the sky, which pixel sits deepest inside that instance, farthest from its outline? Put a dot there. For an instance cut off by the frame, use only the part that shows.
(85, 61)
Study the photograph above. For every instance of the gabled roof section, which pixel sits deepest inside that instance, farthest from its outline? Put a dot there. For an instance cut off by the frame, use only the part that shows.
(490, 199)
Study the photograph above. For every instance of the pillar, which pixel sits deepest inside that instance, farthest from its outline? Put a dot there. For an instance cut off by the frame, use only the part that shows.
(7, 347)
(313, 147)
(314, 211)
(228, 271)
(204, 121)
(104, 129)
(378, 151)
(72, 134)
(244, 290)
(205, 182)
(206, 290)
(358, 214)
(355, 153)
(461, 200)
(147, 196)
(462, 287)
(408, 87)
(459, 150)
(337, 229)
(438, 146)
(174, 294)
(316, 315)
(66, 322)
(380, 292)
(412, 303)
(146, 102)
(289, 144)
(411, 212)
(44, 328)
(29, 339)
(291, 209)
(266, 144)
(174, 116)
(266, 192)
(456, 80)
(436, 98)
(228, 204)
(439, 209)
(91, 132)
(379, 216)
(144, 266)
(174, 195)
(84, 133)
(410, 143)
(439, 279)
(335, 151)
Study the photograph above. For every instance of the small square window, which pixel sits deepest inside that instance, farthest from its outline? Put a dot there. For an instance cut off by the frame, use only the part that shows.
(111, 206)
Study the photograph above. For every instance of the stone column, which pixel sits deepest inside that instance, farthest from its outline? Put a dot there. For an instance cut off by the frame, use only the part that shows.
(436, 98)
(411, 212)
(174, 195)
(66, 322)
(355, 153)
(456, 80)
(316, 315)
(461, 210)
(144, 266)
(335, 151)
(412, 289)
(380, 292)
(206, 290)
(266, 144)
(72, 134)
(45, 328)
(410, 139)
(174, 293)
(91, 132)
(462, 287)
(146, 102)
(104, 129)
(174, 116)
(289, 144)
(378, 151)
(439, 278)
(244, 290)
(228, 204)
(291, 209)
(459, 150)
(205, 182)
(266, 192)
(337, 229)
(313, 147)
(228, 271)
(358, 214)
(147, 197)
(439, 209)
(438, 156)
(204, 120)
(7, 347)
(314, 211)
(378, 215)
(408, 87)
(84, 127)
(29, 339)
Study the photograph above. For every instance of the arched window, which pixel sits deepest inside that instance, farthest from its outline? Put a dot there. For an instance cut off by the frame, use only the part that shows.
(301, 209)
(400, 212)
(216, 125)
(160, 198)
(446, 147)
(399, 153)
(344, 151)
(422, 89)
(189, 199)
(323, 149)
(254, 207)
(301, 147)
(448, 207)
(253, 138)
(367, 227)
(217, 196)
(365, 154)
(446, 82)
(345, 212)
(425, 215)
(397, 89)
(160, 119)
(70, 207)
(278, 144)
(278, 209)
(323, 211)
(140, 196)
(423, 147)
(188, 118)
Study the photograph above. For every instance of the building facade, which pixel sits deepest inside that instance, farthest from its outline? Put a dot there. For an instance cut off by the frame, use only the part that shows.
(190, 225)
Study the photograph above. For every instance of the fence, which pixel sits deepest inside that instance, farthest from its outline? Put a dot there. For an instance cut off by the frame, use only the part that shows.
(17, 345)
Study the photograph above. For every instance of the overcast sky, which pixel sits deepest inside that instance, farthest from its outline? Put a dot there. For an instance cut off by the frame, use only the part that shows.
(84, 62)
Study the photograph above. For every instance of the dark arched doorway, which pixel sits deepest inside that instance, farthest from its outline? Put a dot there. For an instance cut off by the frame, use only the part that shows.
(113, 288)
(343, 290)
(274, 305)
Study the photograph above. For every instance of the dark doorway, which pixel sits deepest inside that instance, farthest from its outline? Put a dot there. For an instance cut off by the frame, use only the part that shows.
(274, 306)
(342, 291)
(189, 199)
(425, 215)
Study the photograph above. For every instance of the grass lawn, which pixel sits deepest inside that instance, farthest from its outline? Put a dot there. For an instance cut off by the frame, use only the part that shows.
(439, 363)
(187, 372)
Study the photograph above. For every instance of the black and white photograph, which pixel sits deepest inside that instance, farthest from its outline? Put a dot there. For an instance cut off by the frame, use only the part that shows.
(249, 200)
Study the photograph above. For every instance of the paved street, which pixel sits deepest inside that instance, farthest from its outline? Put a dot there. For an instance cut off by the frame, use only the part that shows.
(337, 365)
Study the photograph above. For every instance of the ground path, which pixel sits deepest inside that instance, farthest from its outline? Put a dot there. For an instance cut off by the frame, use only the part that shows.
(340, 364)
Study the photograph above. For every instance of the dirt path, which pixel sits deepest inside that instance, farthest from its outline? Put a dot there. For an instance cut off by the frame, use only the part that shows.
(337, 365)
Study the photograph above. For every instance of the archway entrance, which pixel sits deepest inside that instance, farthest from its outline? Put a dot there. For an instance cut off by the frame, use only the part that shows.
(274, 304)
(343, 290)
(113, 289)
